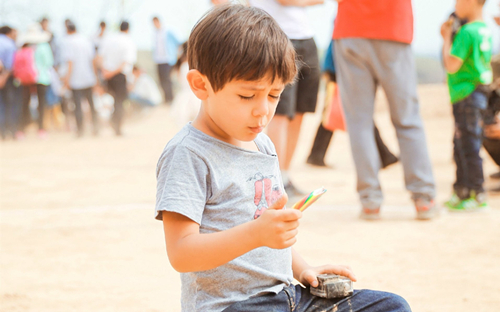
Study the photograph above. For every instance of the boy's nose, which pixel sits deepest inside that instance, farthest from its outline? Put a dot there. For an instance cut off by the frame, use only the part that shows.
(262, 108)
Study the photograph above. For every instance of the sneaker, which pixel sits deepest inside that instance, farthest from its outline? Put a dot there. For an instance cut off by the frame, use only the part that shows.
(467, 205)
(370, 214)
(426, 209)
(19, 136)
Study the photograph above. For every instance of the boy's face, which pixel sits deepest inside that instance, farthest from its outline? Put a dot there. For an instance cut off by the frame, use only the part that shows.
(464, 7)
(241, 110)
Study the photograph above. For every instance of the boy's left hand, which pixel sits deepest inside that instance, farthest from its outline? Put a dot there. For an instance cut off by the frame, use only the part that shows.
(446, 29)
(308, 276)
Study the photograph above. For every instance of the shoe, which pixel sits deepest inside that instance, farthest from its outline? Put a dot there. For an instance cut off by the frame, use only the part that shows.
(426, 209)
(42, 134)
(470, 204)
(370, 214)
(293, 192)
(495, 175)
(19, 136)
(317, 162)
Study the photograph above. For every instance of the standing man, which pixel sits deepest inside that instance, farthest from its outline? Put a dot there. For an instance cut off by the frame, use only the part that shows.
(9, 92)
(117, 54)
(166, 44)
(302, 96)
(79, 53)
(372, 47)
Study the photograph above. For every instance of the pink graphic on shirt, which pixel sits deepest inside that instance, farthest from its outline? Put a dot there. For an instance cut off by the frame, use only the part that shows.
(266, 193)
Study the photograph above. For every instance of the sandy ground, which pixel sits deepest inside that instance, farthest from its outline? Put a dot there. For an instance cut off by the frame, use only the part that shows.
(78, 234)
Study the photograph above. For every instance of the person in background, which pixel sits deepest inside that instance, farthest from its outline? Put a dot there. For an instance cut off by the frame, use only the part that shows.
(373, 47)
(117, 56)
(166, 45)
(79, 55)
(100, 35)
(36, 40)
(301, 97)
(143, 89)
(467, 62)
(9, 90)
(186, 105)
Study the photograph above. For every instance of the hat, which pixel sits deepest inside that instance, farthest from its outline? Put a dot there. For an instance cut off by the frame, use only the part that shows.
(34, 34)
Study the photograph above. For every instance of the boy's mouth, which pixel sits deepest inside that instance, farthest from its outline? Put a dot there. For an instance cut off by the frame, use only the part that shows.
(258, 129)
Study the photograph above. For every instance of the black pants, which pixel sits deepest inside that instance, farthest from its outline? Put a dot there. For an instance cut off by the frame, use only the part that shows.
(493, 148)
(25, 119)
(10, 108)
(467, 142)
(117, 86)
(165, 81)
(77, 97)
(324, 136)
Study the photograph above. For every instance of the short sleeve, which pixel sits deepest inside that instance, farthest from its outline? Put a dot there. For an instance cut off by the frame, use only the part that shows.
(182, 179)
(462, 45)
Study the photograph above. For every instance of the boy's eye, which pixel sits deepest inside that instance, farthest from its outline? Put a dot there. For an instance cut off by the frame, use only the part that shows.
(276, 97)
(247, 98)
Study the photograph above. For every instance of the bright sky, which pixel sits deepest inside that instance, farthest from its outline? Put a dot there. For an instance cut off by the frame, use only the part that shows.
(183, 14)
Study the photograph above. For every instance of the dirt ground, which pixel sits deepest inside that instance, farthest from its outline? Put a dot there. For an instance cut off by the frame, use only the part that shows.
(77, 231)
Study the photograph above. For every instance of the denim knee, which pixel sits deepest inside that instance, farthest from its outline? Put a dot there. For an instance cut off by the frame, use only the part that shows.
(397, 303)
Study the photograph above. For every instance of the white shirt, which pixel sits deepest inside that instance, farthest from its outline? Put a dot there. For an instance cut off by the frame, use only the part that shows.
(115, 50)
(145, 87)
(292, 19)
(80, 52)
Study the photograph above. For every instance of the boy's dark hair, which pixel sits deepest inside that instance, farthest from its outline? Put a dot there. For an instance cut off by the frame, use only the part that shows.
(238, 42)
(5, 30)
(70, 26)
(124, 26)
(155, 18)
(102, 24)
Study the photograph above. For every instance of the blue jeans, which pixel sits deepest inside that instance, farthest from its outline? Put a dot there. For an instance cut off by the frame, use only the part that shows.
(296, 298)
(467, 142)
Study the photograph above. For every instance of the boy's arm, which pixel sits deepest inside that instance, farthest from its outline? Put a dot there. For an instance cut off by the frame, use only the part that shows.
(306, 274)
(300, 3)
(190, 251)
(451, 63)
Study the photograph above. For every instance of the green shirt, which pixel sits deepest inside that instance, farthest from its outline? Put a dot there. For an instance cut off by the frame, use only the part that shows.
(43, 62)
(472, 44)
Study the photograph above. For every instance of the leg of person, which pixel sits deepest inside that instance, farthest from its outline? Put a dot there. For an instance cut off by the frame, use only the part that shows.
(320, 146)
(165, 82)
(118, 84)
(3, 111)
(357, 87)
(492, 146)
(14, 103)
(87, 93)
(41, 91)
(77, 98)
(467, 144)
(278, 131)
(361, 301)
(280, 302)
(25, 118)
(395, 70)
(386, 156)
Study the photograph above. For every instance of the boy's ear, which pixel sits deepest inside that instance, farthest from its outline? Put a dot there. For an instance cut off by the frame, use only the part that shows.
(199, 84)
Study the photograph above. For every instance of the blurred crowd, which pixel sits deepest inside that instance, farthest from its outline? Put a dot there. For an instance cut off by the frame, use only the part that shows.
(60, 83)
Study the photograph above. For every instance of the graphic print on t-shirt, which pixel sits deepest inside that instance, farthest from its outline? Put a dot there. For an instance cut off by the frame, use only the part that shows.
(266, 192)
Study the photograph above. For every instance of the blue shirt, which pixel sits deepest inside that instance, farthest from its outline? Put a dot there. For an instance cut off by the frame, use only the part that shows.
(7, 50)
(165, 47)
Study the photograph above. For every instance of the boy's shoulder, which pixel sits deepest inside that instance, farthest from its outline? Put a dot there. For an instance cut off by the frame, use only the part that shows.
(473, 29)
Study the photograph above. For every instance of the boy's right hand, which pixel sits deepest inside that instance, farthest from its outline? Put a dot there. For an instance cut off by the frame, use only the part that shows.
(446, 29)
(277, 227)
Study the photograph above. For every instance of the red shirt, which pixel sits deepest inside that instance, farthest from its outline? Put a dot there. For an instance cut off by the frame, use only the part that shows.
(375, 19)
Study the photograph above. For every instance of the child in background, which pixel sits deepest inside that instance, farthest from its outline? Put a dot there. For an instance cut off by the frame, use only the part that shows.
(467, 61)
(143, 89)
(186, 105)
(220, 192)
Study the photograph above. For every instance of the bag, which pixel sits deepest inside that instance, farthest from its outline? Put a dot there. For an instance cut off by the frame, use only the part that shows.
(334, 118)
(23, 67)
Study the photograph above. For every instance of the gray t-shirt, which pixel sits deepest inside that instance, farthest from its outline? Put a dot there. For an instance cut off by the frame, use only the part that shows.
(220, 186)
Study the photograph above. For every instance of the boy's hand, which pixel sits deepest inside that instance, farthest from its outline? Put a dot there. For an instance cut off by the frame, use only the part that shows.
(308, 276)
(277, 227)
(446, 29)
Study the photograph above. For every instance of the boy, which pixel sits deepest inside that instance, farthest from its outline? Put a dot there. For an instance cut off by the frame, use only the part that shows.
(220, 193)
(467, 61)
